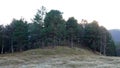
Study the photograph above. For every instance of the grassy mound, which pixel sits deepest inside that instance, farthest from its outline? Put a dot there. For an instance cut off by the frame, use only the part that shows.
(59, 50)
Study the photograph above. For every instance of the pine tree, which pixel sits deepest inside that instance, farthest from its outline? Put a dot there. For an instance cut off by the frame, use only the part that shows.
(52, 21)
(20, 34)
(71, 29)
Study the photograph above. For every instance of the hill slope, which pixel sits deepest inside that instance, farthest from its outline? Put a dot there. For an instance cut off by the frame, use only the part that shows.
(116, 37)
(59, 57)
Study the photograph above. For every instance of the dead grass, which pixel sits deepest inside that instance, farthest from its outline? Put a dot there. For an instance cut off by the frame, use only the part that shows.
(58, 57)
(59, 50)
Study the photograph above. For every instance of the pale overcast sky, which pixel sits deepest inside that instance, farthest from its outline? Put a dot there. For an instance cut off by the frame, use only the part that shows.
(106, 12)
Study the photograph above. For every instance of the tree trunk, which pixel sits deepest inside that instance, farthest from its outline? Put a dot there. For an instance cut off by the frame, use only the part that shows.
(43, 45)
(21, 47)
(78, 41)
(12, 49)
(104, 52)
(2, 47)
(59, 42)
(54, 42)
(100, 47)
(71, 42)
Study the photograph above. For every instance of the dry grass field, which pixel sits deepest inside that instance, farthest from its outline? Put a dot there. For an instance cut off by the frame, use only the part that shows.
(58, 57)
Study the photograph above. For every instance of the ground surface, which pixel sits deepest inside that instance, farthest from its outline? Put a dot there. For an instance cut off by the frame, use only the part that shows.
(60, 57)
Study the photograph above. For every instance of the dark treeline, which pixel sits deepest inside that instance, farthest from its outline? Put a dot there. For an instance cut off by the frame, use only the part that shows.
(49, 29)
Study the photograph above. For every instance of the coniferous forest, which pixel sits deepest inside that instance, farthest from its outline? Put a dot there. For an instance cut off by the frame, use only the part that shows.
(49, 29)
